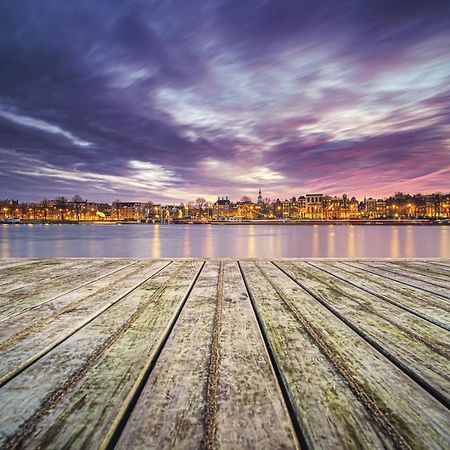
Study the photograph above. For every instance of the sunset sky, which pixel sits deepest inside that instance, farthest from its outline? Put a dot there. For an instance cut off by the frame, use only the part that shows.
(172, 100)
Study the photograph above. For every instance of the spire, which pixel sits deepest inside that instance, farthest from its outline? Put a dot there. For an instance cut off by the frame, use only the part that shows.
(259, 196)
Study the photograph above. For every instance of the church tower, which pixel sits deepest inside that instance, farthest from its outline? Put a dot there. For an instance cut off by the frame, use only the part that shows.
(260, 199)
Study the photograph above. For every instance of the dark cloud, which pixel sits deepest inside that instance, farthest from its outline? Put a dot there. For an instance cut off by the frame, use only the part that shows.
(362, 29)
(149, 99)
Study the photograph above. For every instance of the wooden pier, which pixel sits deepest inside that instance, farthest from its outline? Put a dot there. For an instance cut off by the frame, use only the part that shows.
(224, 354)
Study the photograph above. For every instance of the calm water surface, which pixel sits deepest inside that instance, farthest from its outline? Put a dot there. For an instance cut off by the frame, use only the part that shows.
(237, 241)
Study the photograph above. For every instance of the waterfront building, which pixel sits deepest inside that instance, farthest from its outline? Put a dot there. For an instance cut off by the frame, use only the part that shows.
(353, 209)
(332, 207)
(314, 206)
(9, 208)
(290, 209)
(246, 209)
(310, 206)
(375, 209)
(222, 207)
(301, 206)
(135, 211)
(370, 208)
(277, 209)
(381, 209)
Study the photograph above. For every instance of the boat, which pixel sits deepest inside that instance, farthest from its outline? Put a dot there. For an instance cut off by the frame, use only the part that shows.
(11, 220)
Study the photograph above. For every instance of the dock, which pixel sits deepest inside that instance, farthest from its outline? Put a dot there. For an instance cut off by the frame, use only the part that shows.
(224, 354)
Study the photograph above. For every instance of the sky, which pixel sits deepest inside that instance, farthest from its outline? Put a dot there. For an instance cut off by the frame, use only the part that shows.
(173, 100)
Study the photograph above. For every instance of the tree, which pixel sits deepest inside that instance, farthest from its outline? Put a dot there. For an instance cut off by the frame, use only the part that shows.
(77, 205)
(201, 203)
(116, 206)
(61, 204)
(61, 201)
(45, 203)
(246, 199)
(77, 199)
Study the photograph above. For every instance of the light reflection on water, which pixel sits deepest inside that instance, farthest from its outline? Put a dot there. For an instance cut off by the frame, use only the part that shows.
(445, 244)
(395, 245)
(315, 241)
(156, 240)
(352, 243)
(236, 241)
(331, 241)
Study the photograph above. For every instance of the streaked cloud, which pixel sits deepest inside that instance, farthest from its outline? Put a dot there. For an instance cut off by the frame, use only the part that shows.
(142, 177)
(243, 174)
(43, 126)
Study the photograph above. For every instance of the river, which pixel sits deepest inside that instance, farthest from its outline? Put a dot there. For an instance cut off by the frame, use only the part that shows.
(235, 241)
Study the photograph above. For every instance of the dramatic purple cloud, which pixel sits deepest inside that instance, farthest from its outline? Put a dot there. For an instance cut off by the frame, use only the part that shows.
(171, 100)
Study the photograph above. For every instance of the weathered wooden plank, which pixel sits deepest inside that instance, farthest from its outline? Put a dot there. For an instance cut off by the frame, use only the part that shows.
(330, 415)
(40, 315)
(6, 260)
(421, 269)
(7, 263)
(25, 315)
(17, 302)
(441, 263)
(388, 266)
(251, 412)
(18, 279)
(78, 388)
(429, 306)
(169, 412)
(400, 278)
(385, 407)
(25, 266)
(242, 408)
(207, 381)
(425, 267)
(419, 346)
(18, 341)
(22, 285)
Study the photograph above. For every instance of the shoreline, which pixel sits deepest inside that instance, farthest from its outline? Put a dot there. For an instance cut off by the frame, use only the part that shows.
(303, 222)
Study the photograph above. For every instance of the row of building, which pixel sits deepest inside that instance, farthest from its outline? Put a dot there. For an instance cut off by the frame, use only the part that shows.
(324, 207)
(79, 210)
(309, 206)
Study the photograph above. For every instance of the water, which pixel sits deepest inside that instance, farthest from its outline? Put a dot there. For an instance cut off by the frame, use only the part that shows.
(236, 241)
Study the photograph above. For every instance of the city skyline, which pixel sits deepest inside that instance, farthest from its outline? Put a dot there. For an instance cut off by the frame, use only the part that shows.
(174, 100)
(212, 199)
(255, 197)
(304, 206)
(312, 206)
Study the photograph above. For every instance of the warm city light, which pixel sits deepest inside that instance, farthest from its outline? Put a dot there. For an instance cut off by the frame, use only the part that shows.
(304, 207)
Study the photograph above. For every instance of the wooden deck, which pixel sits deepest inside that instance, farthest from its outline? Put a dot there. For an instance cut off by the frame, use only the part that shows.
(161, 354)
